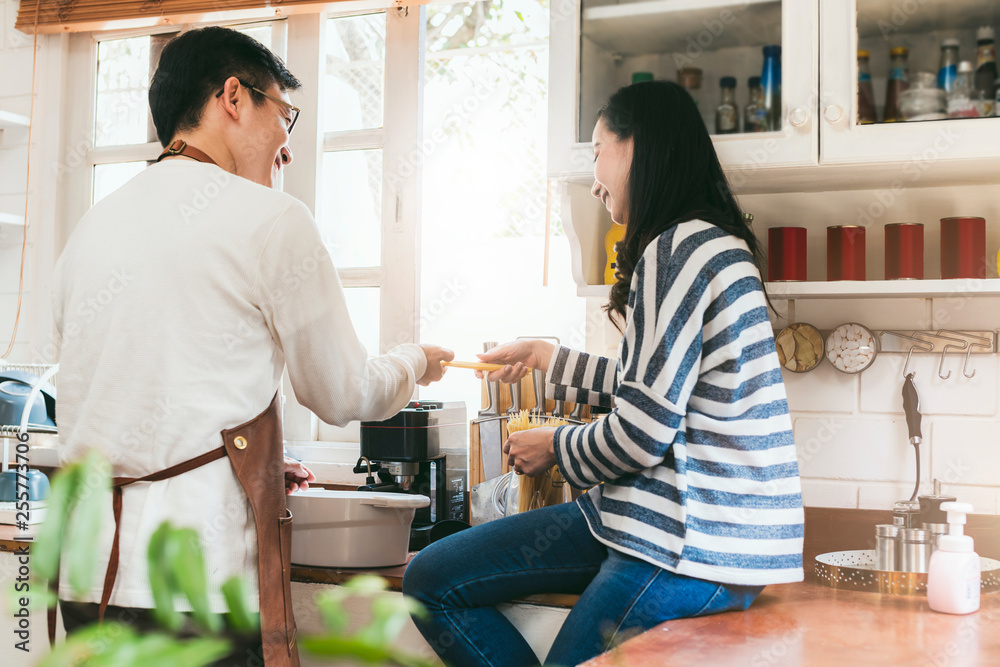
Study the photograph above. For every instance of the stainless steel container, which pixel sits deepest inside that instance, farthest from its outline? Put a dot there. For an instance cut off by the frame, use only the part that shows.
(905, 513)
(915, 555)
(886, 547)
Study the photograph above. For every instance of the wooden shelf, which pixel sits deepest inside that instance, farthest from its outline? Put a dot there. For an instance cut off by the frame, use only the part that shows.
(665, 26)
(876, 289)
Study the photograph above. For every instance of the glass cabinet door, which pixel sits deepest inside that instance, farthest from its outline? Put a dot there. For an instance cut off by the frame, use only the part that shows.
(875, 51)
(599, 46)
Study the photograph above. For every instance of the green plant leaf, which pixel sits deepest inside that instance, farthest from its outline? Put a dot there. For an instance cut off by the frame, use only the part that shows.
(160, 577)
(92, 496)
(240, 618)
(47, 548)
(188, 570)
(331, 608)
(366, 584)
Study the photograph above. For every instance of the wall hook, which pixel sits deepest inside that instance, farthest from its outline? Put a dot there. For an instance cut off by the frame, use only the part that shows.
(924, 345)
(964, 344)
(984, 342)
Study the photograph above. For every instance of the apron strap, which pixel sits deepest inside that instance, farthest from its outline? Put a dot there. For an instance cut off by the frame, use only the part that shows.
(119, 483)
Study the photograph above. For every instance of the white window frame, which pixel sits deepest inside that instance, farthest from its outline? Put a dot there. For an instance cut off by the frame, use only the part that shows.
(303, 39)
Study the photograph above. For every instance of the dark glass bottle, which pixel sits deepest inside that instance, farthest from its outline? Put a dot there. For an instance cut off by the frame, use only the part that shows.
(770, 80)
(727, 114)
(755, 116)
(986, 70)
(866, 96)
(899, 81)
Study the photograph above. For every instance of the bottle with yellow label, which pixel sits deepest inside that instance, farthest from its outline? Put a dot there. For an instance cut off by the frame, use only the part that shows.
(616, 234)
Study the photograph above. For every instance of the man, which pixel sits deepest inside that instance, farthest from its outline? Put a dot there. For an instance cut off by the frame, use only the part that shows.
(179, 300)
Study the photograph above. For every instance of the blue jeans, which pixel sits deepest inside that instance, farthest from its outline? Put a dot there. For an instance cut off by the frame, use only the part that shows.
(461, 578)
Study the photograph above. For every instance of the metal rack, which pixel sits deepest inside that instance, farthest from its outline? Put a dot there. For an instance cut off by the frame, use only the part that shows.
(941, 341)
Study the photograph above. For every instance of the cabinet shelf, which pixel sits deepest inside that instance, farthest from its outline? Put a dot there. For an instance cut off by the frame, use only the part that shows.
(887, 18)
(663, 26)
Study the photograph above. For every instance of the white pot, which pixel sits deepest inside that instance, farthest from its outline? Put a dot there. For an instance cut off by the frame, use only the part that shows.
(352, 528)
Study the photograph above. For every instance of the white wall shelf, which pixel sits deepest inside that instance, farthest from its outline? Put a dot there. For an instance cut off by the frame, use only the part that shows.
(877, 289)
(8, 219)
(858, 289)
(664, 26)
(10, 121)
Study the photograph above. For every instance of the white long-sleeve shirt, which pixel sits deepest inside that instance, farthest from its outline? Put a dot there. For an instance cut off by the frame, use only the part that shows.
(179, 299)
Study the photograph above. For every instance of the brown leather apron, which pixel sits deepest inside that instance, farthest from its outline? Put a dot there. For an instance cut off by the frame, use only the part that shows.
(254, 449)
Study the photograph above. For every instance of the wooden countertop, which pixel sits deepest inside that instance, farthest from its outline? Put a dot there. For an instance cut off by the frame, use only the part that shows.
(811, 625)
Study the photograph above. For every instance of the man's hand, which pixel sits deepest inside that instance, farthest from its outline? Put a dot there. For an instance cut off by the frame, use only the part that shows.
(435, 371)
(297, 476)
(531, 452)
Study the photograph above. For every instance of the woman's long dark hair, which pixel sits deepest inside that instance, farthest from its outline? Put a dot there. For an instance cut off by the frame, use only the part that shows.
(675, 175)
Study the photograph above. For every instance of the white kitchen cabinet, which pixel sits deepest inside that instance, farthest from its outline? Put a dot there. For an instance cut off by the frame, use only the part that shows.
(877, 25)
(854, 174)
(597, 46)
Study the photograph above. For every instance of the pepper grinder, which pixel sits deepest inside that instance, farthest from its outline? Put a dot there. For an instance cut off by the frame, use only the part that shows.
(932, 517)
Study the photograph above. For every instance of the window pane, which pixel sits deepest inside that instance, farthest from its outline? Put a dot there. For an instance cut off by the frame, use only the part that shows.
(262, 33)
(355, 65)
(363, 304)
(484, 196)
(351, 217)
(122, 92)
(110, 177)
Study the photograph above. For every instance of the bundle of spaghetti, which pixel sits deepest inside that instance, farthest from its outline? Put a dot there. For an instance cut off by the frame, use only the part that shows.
(545, 489)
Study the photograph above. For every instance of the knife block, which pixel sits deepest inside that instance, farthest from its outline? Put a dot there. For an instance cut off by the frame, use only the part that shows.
(527, 402)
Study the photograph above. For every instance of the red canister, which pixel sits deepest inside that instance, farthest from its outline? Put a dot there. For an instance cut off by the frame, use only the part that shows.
(904, 251)
(963, 247)
(845, 252)
(786, 254)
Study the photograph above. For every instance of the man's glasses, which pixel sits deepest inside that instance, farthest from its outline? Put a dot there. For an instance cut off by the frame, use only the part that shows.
(293, 110)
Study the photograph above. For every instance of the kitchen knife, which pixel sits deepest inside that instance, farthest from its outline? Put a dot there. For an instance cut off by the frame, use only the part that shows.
(490, 443)
(515, 398)
(538, 377)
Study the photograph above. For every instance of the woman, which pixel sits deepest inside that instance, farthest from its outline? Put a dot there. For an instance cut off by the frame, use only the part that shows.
(696, 502)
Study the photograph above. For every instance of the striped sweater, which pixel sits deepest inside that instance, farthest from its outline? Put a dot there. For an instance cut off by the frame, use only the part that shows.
(697, 460)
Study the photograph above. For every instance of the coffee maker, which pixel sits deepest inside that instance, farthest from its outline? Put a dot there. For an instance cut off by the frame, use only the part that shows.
(421, 450)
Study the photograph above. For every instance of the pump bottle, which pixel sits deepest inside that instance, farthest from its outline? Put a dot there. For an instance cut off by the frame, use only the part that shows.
(953, 578)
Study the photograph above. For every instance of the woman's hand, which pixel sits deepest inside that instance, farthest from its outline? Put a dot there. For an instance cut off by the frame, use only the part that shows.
(518, 358)
(297, 476)
(531, 452)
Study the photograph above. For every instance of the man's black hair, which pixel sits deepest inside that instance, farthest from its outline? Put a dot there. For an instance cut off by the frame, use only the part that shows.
(193, 68)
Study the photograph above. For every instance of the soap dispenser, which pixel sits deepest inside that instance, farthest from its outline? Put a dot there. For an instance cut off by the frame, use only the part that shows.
(953, 579)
